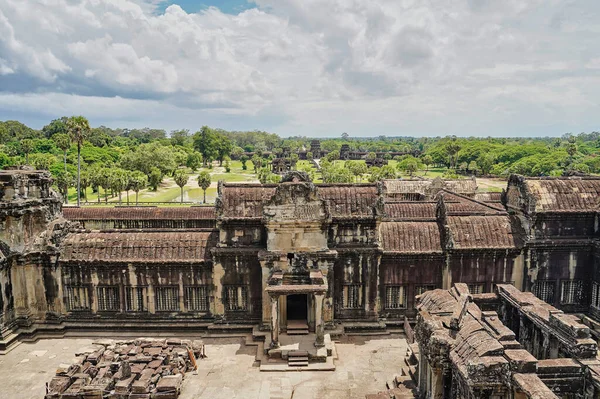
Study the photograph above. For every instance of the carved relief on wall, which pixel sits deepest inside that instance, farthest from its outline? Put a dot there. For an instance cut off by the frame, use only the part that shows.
(513, 197)
(295, 200)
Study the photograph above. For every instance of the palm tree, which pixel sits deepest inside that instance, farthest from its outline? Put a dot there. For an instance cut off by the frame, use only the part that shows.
(64, 180)
(181, 179)
(129, 184)
(78, 128)
(452, 148)
(118, 181)
(138, 181)
(204, 182)
(63, 141)
(86, 180)
(27, 146)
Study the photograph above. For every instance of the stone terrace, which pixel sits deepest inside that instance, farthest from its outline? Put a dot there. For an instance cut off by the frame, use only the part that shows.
(229, 371)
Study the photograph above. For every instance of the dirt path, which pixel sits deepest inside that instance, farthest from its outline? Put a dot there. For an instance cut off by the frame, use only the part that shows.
(486, 184)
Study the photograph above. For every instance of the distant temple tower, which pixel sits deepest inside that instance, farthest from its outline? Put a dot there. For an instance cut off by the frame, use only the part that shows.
(345, 152)
(315, 148)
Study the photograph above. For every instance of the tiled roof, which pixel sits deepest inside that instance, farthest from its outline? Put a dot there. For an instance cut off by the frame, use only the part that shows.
(410, 237)
(436, 301)
(462, 186)
(406, 186)
(533, 386)
(489, 197)
(394, 188)
(565, 195)
(475, 345)
(474, 232)
(140, 213)
(410, 210)
(347, 201)
(457, 204)
(172, 247)
(245, 201)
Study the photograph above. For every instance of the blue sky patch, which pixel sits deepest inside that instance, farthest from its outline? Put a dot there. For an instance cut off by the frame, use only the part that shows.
(193, 6)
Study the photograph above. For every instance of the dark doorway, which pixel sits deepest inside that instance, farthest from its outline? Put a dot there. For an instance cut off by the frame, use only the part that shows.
(297, 308)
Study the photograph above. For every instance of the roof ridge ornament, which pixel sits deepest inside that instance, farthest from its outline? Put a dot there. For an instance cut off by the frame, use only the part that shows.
(296, 176)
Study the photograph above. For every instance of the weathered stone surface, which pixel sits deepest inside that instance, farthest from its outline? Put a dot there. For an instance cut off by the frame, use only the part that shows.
(376, 246)
(169, 383)
(126, 374)
(479, 356)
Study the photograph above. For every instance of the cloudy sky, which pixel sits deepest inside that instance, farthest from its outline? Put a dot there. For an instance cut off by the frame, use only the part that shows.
(309, 67)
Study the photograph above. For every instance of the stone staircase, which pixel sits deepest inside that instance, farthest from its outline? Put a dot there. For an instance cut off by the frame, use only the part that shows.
(297, 327)
(298, 359)
(402, 386)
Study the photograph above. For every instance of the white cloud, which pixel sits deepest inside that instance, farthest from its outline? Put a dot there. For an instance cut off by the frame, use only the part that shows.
(307, 66)
(5, 69)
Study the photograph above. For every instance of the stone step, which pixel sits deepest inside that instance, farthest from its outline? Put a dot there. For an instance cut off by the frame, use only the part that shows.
(297, 325)
(401, 393)
(412, 372)
(400, 379)
(297, 354)
(390, 384)
(298, 363)
(297, 332)
(298, 359)
(364, 328)
(380, 395)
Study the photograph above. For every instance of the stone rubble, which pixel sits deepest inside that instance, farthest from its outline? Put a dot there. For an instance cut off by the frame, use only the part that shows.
(144, 368)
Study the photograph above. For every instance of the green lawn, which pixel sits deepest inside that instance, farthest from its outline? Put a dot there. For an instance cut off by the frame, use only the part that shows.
(236, 167)
(168, 191)
(232, 177)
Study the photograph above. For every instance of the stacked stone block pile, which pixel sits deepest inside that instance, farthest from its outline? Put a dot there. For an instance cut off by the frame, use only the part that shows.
(140, 369)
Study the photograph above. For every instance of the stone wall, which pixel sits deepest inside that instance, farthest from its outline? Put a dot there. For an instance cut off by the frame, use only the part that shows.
(523, 348)
(31, 228)
(377, 251)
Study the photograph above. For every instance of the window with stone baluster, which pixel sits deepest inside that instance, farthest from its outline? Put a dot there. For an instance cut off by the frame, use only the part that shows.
(236, 297)
(109, 298)
(595, 295)
(196, 298)
(544, 289)
(167, 299)
(352, 296)
(77, 297)
(395, 297)
(135, 299)
(571, 292)
(476, 288)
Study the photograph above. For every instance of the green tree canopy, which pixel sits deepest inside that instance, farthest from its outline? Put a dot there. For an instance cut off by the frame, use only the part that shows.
(138, 182)
(181, 178)
(204, 182)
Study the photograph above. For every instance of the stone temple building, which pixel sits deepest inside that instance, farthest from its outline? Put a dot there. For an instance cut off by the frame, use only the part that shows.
(502, 345)
(317, 257)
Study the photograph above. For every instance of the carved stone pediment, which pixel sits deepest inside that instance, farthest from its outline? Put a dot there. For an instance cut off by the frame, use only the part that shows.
(295, 201)
(296, 176)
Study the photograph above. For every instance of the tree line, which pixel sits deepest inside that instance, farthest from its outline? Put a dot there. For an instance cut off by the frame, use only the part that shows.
(123, 160)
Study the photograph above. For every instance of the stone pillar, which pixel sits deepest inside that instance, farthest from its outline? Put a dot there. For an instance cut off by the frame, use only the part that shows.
(437, 386)
(218, 307)
(319, 322)
(274, 321)
(422, 377)
(553, 349)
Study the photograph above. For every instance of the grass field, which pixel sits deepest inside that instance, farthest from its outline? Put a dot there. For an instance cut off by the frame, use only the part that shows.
(169, 192)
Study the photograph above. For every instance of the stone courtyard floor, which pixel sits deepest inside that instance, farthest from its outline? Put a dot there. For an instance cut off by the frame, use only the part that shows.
(229, 371)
